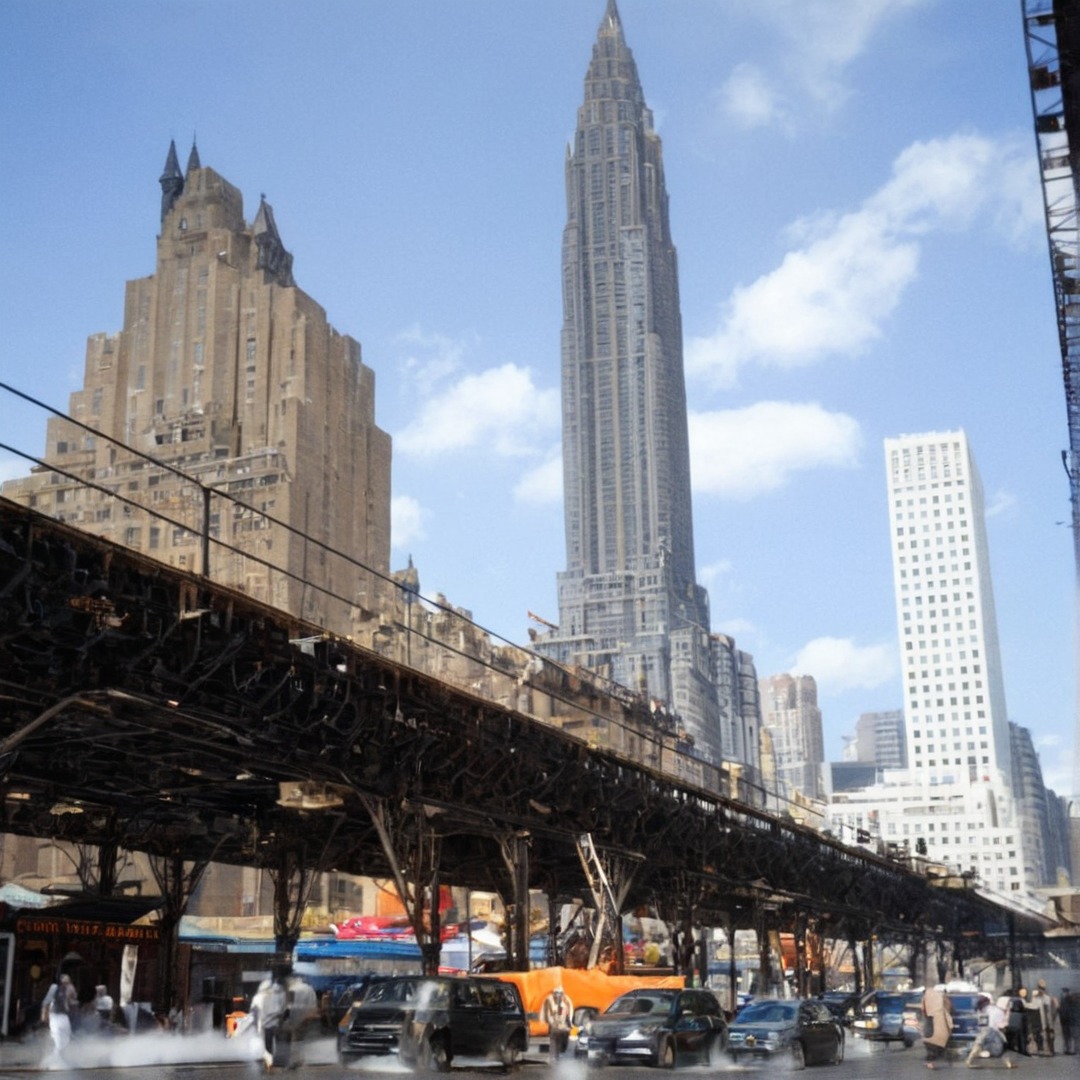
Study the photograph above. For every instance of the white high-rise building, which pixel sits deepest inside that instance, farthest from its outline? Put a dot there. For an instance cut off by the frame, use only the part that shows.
(953, 804)
(954, 697)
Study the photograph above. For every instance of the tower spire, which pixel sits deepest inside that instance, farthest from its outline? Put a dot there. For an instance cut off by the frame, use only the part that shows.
(171, 180)
(193, 158)
(611, 20)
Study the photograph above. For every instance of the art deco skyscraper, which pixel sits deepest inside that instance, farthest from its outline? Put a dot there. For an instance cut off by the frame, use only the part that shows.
(228, 374)
(629, 604)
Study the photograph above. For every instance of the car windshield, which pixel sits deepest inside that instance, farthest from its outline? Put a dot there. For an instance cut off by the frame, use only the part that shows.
(636, 1002)
(768, 1012)
(890, 1003)
(393, 992)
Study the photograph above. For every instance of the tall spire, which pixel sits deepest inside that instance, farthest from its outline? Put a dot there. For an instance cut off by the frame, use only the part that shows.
(612, 74)
(193, 158)
(171, 180)
(611, 21)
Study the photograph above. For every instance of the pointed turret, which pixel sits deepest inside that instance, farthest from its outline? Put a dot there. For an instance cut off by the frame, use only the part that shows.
(172, 181)
(273, 259)
(193, 158)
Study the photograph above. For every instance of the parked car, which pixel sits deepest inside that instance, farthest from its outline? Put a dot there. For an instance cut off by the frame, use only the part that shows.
(889, 1016)
(373, 1025)
(655, 1026)
(843, 1004)
(966, 1017)
(465, 1018)
(431, 1021)
(804, 1031)
(342, 995)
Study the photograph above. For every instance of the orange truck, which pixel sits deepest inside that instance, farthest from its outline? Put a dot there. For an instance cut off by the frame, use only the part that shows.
(590, 988)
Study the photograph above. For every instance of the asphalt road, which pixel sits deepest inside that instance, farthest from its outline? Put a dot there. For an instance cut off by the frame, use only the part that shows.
(861, 1063)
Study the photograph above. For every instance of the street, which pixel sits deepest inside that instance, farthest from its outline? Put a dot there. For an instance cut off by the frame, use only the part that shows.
(862, 1062)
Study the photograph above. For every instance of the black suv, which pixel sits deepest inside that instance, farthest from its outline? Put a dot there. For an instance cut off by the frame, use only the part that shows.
(431, 1021)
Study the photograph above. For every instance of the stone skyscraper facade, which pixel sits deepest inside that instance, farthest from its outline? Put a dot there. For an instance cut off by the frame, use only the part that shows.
(880, 738)
(790, 713)
(228, 373)
(629, 603)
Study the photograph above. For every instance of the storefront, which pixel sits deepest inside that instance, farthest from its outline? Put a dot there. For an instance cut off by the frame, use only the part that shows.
(90, 940)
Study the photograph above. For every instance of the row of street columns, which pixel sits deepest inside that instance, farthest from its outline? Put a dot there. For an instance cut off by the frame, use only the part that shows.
(412, 848)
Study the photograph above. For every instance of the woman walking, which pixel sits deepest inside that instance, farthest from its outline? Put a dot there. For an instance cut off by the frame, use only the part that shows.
(937, 1009)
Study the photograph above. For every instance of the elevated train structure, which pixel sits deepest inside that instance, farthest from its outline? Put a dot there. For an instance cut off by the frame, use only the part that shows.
(1052, 38)
(148, 709)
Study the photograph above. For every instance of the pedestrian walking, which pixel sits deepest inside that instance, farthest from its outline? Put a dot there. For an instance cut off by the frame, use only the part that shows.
(1033, 1012)
(57, 1010)
(557, 1012)
(937, 1010)
(1048, 1007)
(1069, 1014)
(1018, 1023)
(268, 1009)
(103, 1008)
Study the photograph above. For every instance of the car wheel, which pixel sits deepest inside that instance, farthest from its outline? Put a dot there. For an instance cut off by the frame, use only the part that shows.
(838, 1056)
(665, 1055)
(435, 1055)
(798, 1055)
(510, 1057)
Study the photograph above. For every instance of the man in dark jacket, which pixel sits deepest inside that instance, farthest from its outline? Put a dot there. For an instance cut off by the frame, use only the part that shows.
(1069, 1015)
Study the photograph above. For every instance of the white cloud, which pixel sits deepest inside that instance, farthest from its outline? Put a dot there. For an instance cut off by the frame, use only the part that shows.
(838, 664)
(712, 573)
(431, 357)
(739, 453)
(834, 292)
(500, 409)
(406, 521)
(822, 38)
(1002, 502)
(542, 485)
(738, 628)
(749, 97)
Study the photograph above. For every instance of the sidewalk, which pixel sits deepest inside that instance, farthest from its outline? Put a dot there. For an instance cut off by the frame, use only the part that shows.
(23, 1053)
(35, 1051)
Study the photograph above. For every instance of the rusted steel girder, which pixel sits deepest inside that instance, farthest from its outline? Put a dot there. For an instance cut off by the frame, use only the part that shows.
(172, 714)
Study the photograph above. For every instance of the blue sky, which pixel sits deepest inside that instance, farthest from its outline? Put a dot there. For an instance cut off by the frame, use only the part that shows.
(855, 200)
